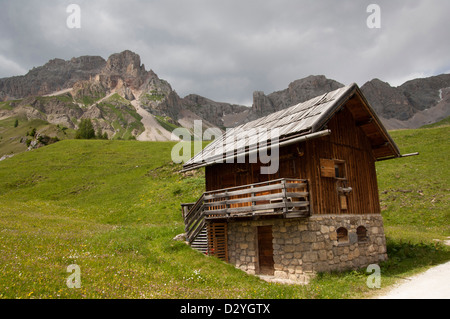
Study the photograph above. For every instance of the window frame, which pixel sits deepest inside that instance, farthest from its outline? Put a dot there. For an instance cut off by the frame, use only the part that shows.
(342, 238)
(362, 238)
(329, 167)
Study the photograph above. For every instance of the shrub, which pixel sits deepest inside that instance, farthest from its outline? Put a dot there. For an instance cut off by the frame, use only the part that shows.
(47, 140)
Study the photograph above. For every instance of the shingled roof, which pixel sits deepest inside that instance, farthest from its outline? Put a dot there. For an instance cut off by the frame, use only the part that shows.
(302, 121)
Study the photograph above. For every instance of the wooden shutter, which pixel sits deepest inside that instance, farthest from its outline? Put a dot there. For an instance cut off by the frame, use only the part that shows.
(327, 167)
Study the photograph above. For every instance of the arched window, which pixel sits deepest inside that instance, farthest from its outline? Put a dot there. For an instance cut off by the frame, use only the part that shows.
(361, 232)
(342, 235)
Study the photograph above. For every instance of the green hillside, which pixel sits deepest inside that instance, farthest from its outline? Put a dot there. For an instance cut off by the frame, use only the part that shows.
(13, 139)
(113, 207)
(415, 191)
(116, 117)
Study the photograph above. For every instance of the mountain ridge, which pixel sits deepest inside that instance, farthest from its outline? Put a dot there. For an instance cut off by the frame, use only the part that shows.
(414, 103)
(125, 100)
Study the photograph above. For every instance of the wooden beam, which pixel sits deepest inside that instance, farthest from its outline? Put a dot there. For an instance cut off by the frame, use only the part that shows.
(364, 122)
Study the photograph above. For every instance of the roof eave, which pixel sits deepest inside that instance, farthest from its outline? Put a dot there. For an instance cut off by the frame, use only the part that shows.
(341, 101)
(378, 122)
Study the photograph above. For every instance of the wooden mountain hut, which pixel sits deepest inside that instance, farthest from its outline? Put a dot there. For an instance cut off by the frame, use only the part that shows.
(319, 211)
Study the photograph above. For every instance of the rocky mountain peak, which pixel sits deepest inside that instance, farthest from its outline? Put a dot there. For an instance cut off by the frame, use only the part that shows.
(387, 101)
(298, 91)
(127, 66)
(404, 101)
(55, 75)
(314, 85)
(88, 62)
(126, 63)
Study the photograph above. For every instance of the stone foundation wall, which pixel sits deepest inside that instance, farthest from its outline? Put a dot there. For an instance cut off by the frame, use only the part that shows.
(302, 247)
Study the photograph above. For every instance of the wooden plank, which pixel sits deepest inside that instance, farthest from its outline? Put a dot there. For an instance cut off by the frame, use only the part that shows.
(296, 195)
(254, 199)
(343, 202)
(327, 167)
(194, 219)
(194, 208)
(193, 233)
(259, 184)
(229, 189)
(244, 209)
(295, 185)
(243, 191)
(297, 204)
(185, 208)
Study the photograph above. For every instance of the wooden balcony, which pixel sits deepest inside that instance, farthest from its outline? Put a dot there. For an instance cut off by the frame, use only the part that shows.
(287, 198)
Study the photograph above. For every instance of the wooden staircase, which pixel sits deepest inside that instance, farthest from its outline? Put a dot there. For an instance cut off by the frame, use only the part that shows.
(200, 242)
(194, 221)
(210, 238)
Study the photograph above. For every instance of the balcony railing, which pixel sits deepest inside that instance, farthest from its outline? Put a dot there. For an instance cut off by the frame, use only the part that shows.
(286, 197)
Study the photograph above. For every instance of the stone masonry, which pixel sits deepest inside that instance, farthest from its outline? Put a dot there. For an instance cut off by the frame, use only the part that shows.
(303, 247)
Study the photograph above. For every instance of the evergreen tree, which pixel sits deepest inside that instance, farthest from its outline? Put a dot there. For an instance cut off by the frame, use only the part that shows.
(85, 130)
(16, 123)
(99, 134)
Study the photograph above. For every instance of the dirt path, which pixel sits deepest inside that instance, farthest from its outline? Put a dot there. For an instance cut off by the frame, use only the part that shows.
(153, 131)
(59, 92)
(107, 96)
(431, 284)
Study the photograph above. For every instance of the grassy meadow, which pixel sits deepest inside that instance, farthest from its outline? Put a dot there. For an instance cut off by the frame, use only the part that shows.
(113, 207)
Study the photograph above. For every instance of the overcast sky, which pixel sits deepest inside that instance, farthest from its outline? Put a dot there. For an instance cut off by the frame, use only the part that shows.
(226, 49)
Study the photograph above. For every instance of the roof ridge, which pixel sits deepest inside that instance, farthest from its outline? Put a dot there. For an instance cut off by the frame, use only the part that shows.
(301, 119)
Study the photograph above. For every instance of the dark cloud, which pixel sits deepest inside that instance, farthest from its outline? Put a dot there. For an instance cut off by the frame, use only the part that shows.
(225, 50)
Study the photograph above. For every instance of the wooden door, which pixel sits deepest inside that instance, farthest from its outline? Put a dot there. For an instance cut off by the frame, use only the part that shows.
(217, 240)
(265, 250)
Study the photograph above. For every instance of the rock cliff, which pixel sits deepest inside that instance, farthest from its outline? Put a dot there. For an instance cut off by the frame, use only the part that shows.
(298, 91)
(412, 104)
(55, 75)
(121, 95)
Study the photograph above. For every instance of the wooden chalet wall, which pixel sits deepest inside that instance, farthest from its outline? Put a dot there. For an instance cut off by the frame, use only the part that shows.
(347, 143)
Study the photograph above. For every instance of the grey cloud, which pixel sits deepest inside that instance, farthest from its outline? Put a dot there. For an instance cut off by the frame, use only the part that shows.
(225, 50)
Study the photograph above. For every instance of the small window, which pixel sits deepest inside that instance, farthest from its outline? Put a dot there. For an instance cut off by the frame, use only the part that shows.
(339, 169)
(361, 232)
(332, 168)
(342, 235)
